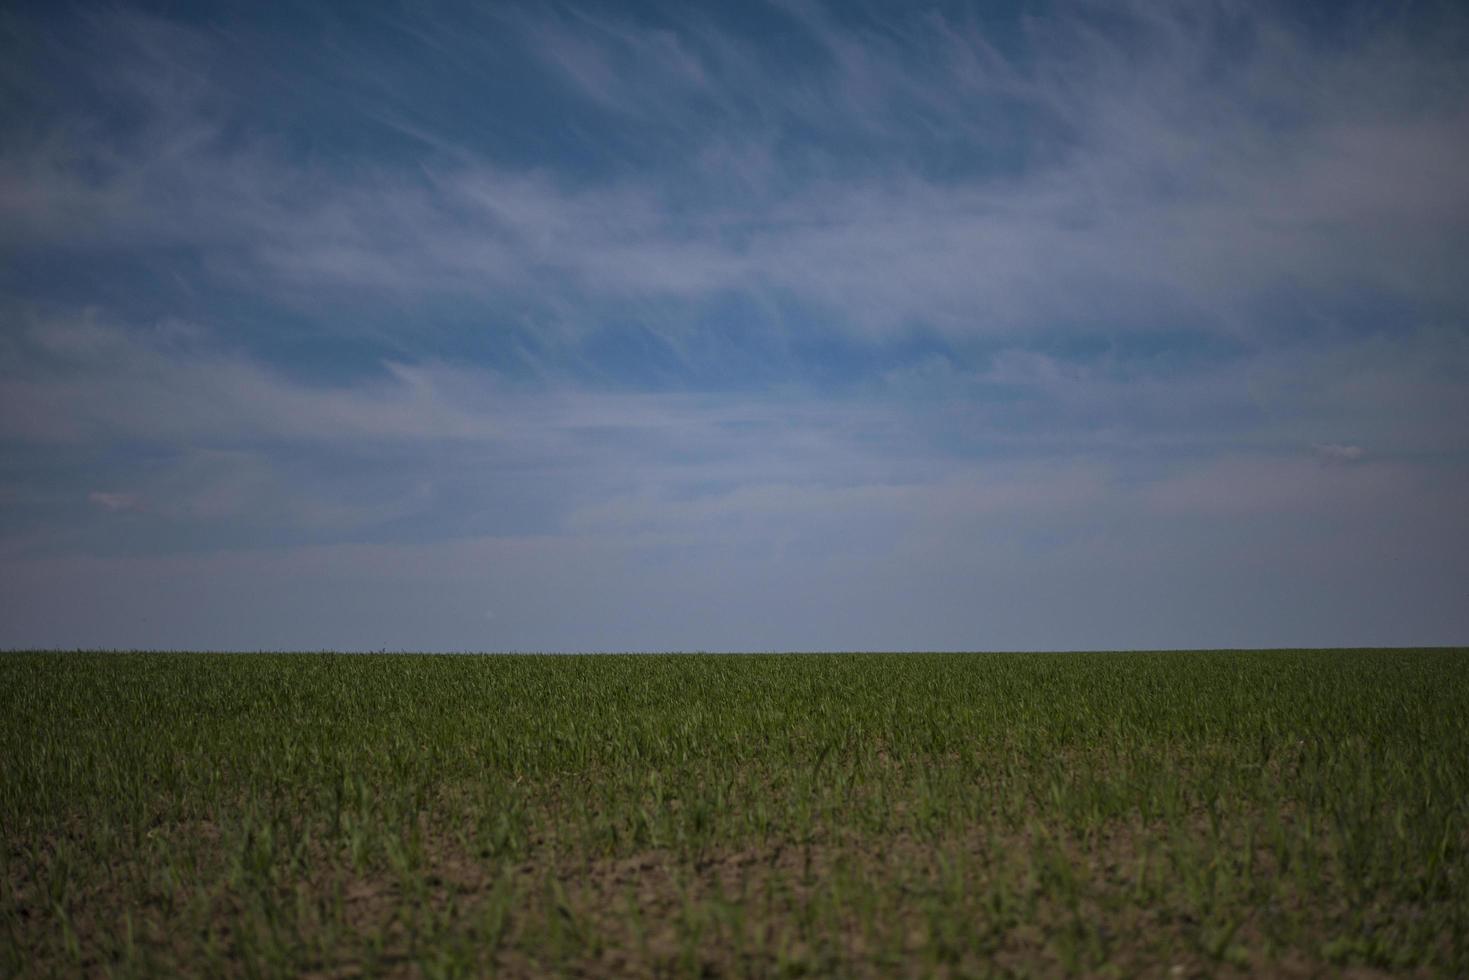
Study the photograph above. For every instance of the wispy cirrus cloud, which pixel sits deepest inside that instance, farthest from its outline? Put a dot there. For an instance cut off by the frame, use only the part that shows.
(647, 327)
(1191, 165)
(229, 438)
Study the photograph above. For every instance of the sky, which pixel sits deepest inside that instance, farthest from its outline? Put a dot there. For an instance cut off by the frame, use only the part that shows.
(748, 326)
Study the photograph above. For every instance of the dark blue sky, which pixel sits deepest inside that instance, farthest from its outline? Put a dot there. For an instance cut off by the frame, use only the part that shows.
(742, 326)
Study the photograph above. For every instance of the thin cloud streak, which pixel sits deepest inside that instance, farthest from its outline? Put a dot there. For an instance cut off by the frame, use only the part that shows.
(1163, 184)
(1119, 326)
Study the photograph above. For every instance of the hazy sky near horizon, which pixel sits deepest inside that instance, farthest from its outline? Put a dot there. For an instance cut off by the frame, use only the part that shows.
(743, 326)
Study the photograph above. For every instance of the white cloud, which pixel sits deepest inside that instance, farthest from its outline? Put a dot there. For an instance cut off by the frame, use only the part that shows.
(1151, 500)
(1339, 452)
(1155, 185)
(114, 383)
(112, 501)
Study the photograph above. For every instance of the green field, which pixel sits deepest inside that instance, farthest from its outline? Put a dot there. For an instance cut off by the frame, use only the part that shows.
(1169, 814)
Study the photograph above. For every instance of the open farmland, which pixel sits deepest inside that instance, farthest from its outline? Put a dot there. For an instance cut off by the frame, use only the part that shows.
(1165, 814)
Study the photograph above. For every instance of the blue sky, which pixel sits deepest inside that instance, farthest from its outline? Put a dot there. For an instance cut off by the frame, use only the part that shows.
(749, 326)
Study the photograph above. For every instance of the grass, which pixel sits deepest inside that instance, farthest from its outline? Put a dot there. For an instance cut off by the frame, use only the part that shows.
(1169, 814)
